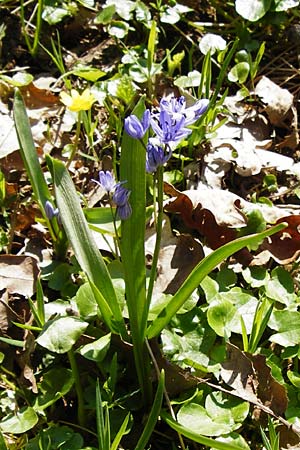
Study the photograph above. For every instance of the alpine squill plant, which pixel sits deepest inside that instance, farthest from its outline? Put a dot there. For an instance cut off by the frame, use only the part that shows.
(147, 145)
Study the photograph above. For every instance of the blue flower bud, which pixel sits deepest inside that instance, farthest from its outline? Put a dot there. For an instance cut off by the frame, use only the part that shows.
(124, 211)
(121, 194)
(50, 211)
(135, 127)
(155, 157)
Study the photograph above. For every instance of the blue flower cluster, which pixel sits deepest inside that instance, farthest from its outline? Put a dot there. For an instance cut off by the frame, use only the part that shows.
(169, 125)
(116, 192)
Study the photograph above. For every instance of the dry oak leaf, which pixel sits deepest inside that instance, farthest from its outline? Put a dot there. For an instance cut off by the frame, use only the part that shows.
(251, 380)
(284, 246)
(198, 218)
(278, 101)
(18, 274)
(178, 255)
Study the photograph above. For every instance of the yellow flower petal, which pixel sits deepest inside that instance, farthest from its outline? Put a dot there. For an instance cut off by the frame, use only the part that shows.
(78, 102)
(66, 99)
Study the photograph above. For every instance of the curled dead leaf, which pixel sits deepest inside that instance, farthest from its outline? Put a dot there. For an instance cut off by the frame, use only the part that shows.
(18, 274)
(284, 246)
(250, 378)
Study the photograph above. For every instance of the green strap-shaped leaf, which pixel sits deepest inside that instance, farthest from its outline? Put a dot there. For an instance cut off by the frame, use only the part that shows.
(28, 152)
(154, 413)
(200, 271)
(2, 442)
(85, 248)
(133, 170)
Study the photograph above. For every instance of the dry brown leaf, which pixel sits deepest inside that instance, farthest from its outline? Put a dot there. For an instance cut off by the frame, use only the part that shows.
(5, 313)
(284, 246)
(251, 379)
(228, 209)
(24, 360)
(278, 101)
(36, 98)
(178, 256)
(18, 274)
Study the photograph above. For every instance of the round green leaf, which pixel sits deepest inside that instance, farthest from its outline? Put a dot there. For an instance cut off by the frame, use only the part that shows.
(63, 438)
(252, 10)
(281, 287)
(55, 384)
(195, 418)
(221, 415)
(88, 73)
(239, 72)
(235, 439)
(96, 351)
(118, 29)
(219, 315)
(85, 301)
(212, 43)
(59, 335)
(294, 378)
(20, 422)
(284, 5)
(19, 79)
(192, 79)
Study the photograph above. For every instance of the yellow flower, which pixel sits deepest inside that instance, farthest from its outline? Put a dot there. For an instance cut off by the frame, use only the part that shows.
(76, 101)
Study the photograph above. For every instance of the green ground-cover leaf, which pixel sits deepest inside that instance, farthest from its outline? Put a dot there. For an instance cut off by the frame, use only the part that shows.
(252, 10)
(201, 439)
(219, 416)
(287, 323)
(86, 303)
(190, 340)
(280, 287)
(56, 437)
(60, 334)
(55, 384)
(20, 421)
(198, 274)
(96, 350)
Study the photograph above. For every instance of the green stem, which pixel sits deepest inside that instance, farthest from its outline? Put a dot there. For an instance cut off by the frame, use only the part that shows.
(38, 27)
(75, 145)
(78, 387)
(160, 195)
(117, 242)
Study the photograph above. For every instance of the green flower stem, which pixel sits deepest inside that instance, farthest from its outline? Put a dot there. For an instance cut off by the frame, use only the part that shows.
(78, 387)
(117, 242)
(160, 196)
(75, 145)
